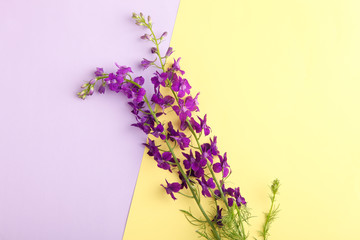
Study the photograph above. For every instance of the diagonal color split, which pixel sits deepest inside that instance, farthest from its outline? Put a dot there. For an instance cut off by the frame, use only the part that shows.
(279, 81)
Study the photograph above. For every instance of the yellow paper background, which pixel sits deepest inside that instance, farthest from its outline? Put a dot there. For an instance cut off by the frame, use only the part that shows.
(280, 83)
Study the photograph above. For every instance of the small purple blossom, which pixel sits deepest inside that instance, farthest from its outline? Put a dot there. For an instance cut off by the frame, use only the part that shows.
(195, 163)
(158, 131)
(204, 125)
(222, 166)
(240, 200)
(123, 70)
(172, 188)
(206, 185)
(176, 66)
(183, 181)
(182, 140)
(226, 191)
(181, 85)
(164, 160)
(195, 125)
(159, 79)
(218, 218)
(153, 149)
(186, 107)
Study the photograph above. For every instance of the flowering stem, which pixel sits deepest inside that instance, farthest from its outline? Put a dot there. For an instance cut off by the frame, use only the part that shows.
(157, 46)
(197, 199)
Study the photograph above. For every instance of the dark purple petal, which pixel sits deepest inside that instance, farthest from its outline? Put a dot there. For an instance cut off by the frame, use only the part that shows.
(230, 202)
(210, 183)
(139, 80)
(217, 167)
(225, 172)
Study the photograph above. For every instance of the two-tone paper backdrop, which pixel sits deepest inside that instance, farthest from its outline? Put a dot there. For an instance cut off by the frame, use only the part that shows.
(68, 167)
(280, 82)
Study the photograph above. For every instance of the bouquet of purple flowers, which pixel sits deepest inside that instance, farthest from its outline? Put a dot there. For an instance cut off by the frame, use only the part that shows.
(176, 143)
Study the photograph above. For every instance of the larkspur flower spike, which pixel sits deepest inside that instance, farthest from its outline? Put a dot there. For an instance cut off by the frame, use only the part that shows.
(175, 145)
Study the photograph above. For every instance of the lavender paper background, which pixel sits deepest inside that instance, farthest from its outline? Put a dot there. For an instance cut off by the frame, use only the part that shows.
(68, 167)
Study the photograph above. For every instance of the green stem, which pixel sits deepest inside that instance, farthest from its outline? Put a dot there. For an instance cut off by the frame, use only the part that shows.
(267, 220)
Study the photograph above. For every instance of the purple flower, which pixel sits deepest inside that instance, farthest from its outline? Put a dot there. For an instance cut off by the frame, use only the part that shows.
(240, 200)
(213, 146)
(163, 102)
(123, 70)
(183, 181)
(181, 85)
(164, 160)
(139, 95)
(196, 164)
(186, 107)
(172, 133)
(172, 188)
(195, 125)
(159, 79)
(206, 185)
(182, 140)
(226, 191)
(176, 66)
(158, 131)
(146, 63)
(206, 150)
(99, 72)
(218, 218)
(204, 126)
(136, 108)
(146, 122)
(222, 166)
(126, 89)
(114, 82)
(153, 149)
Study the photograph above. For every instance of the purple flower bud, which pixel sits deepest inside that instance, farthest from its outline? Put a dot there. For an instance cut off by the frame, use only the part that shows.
(92, 81)
(169, 52)
(146, 63)
(153, 50)
(146, 36)
(99, 72)
(101, 89)
(85, 85)
(149, 20)
(91, 90)
(163, 35)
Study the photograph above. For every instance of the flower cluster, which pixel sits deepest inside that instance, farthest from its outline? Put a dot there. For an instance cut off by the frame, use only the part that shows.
(201, 169)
